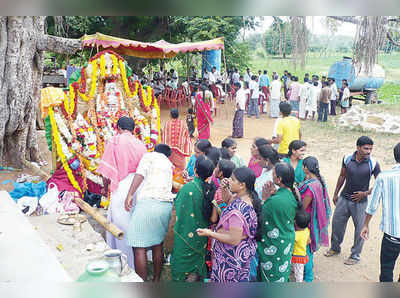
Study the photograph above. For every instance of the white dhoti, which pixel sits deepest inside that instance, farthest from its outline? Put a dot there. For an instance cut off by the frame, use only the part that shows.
(302, 108)
(120, 217)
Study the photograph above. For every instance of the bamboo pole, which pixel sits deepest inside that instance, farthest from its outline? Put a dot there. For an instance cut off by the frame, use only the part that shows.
(110, 227)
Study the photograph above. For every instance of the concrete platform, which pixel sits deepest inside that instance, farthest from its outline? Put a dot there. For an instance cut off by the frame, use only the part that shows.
(24, 256)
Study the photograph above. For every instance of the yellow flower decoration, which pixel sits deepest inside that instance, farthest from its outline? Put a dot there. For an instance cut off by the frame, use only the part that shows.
(69, 104)
(124, 79)
(94, 79)
(102, 66)
(60, 153)
(115, 65)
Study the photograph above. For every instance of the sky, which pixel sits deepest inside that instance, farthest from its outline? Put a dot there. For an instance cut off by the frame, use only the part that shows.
(315, 24)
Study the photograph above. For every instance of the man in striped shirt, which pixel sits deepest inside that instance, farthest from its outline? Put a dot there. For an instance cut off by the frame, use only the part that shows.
(387, 189)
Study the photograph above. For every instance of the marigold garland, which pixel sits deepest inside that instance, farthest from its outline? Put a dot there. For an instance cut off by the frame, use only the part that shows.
(115, 65)
(69, 101)
(94, 79)
(124, 79)
(156, 106)
(61, 153)
(147, 98)
(102, 66)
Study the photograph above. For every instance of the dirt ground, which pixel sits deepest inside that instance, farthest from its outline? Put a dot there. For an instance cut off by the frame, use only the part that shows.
(328, 144)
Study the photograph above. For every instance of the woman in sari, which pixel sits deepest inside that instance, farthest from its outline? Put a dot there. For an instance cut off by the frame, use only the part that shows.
(268, 158)
(200, 147)
(278, 234)
(203, 114)
(122, 154)
(316, 202)
(235, 236)
(193, 210)
(255, 156)
(297, 149)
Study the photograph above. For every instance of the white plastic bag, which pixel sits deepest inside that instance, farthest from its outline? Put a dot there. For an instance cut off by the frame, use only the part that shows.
(28, 202)
(49, 200)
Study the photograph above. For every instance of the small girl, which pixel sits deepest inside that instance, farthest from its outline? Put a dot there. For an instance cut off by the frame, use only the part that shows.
(302, 238)
(190, 122)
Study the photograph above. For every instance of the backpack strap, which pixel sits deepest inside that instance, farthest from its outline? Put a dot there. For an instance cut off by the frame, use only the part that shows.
(347, 159)
(372, 164)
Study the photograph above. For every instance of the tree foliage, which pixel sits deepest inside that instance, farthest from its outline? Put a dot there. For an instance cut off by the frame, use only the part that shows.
(278, 38)
(170, 28)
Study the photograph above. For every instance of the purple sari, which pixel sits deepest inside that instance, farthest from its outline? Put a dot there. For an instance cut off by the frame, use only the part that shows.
(232, 263)
(319, 210)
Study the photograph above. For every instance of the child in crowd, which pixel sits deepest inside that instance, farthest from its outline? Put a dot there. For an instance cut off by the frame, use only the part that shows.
(231, 145)
(302, 238)
(190, 122)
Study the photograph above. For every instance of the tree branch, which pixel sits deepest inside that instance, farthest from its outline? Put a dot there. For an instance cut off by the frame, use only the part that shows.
(347, 19)
(390, 37)
(58, 45)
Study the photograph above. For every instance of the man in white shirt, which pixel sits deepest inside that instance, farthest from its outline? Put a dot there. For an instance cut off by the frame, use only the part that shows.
(235, 76)
(334, 95)
(206, 75)
(276, 87)
(241, 99)
(304, 94)
(174, 79)
(211, 77)
(247, 76)
(215, 75)
(152, 212)
(387, 190)
(312, 100)
(254, 92)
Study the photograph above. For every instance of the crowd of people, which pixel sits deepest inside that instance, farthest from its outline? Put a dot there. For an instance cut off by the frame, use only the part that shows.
(239, 221)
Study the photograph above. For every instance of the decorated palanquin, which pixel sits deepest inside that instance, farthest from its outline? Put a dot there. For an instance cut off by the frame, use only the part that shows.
(80, 121)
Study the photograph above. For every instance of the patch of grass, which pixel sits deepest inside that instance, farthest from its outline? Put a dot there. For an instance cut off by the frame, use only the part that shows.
(392, 109)
(390, 92)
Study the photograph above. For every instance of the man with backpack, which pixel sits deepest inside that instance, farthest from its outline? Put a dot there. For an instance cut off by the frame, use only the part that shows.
(357, 169)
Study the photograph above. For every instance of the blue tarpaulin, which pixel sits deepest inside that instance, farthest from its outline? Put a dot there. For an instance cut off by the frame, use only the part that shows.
(27, 189)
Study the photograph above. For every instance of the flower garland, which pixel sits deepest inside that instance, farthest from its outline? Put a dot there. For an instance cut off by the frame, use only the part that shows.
(102, 66)
(62, 127)
(61, 153)
(69, 101)
(115, 64)
(124, 79)
(92, 83)
(156, 106)
(147, 98)
(82, 87)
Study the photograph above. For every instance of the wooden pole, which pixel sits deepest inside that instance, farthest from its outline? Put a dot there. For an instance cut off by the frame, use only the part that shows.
(110, 227)
(187, 66)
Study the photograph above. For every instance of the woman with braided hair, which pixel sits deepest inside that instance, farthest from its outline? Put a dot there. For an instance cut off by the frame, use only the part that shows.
(314, 195)
(277, 230)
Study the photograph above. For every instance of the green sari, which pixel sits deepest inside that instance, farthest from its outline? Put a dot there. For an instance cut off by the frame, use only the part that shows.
(189, 251)
(276, 245)
(299, 175)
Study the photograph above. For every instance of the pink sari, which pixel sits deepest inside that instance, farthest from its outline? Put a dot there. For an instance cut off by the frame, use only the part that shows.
(255, 167)
(203, 114)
